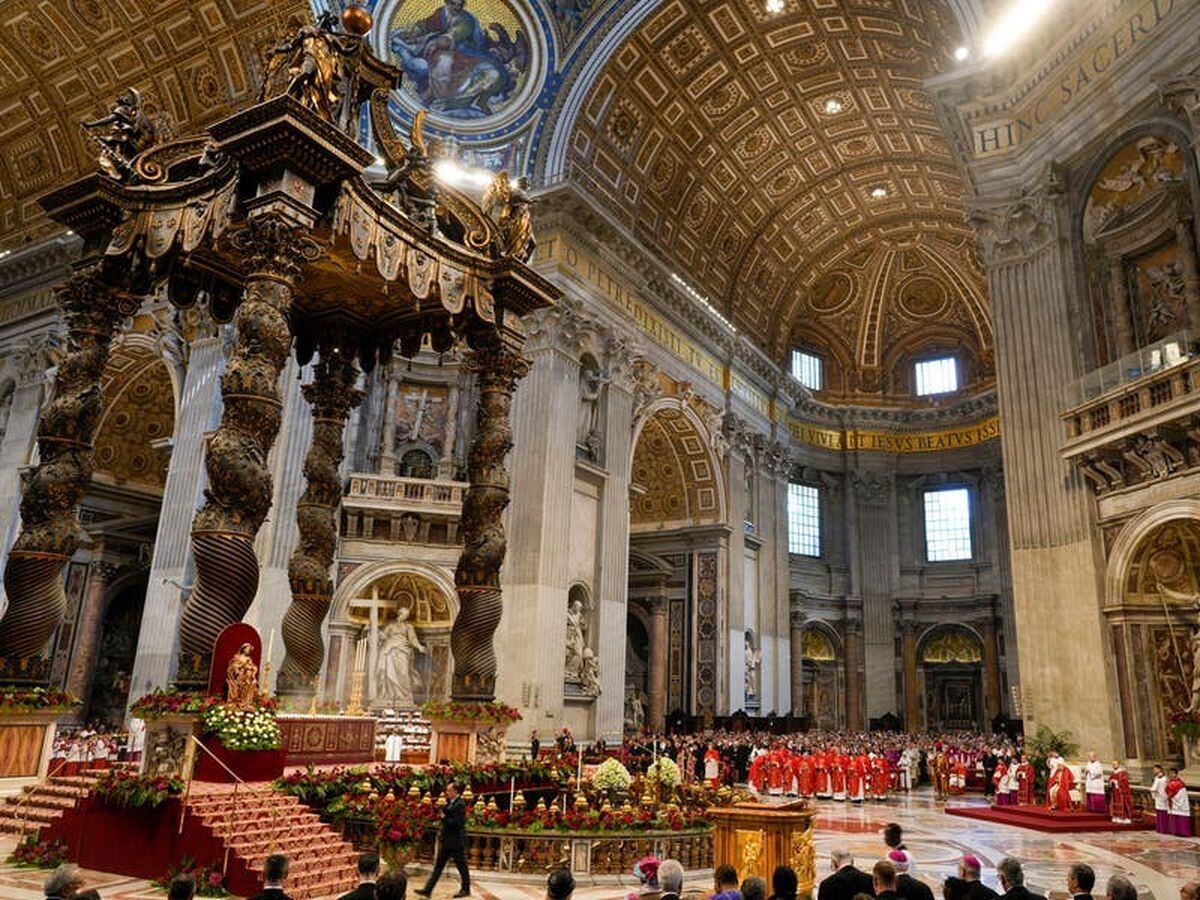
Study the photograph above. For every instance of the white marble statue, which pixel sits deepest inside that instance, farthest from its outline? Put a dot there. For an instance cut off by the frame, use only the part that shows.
(635, 711)
(589, 676)
(398, 641)
(575, 642)
(1192, 600)
(753, 662)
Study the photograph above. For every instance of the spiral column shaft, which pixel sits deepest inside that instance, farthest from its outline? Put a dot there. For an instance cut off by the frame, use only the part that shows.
(332, 395)
(50, 503)
(239, 483)
(477, 576)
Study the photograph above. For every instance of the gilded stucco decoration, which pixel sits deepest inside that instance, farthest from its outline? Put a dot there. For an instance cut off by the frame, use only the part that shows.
(673, 468)
(139, 410)
(951, 645)
(816, 646)
(766, 156)
(427, 604)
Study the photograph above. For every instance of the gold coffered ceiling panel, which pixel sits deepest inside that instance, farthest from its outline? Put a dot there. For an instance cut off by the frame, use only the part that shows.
(64, 61)
(762, 155)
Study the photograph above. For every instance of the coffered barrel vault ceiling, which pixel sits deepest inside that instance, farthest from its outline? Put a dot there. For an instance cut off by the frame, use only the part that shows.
(744, 148)
(747, 150)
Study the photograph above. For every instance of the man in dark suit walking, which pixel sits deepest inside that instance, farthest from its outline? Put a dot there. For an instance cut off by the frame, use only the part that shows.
(452, 842)
(368, 872)
(846, 880)
(275, 873)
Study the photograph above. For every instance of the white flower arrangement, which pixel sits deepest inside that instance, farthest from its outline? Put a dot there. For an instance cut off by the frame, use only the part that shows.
(664, 771)
(243, 729)
(611, 776)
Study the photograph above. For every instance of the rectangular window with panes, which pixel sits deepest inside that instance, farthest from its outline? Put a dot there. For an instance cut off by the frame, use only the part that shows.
(937, 376)
(948, 525)
(806, 368)
(804, 519)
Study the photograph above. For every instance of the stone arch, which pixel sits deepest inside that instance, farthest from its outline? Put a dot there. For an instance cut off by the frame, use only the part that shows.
(674, 462)
(821, 675)
(360, 580)
(1131, 540)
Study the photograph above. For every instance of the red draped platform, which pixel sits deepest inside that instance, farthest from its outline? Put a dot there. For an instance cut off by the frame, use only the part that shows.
(1038, 818)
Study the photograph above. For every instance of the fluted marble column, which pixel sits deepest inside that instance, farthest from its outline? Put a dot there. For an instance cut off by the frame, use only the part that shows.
(279, 535)
(539, 520)
(183, 492)
(1185, 234)
(1025, 247)
(388, 464)
(613, 553)
(16, 448)
(1122, 320)
(741, 611)
(877, 548)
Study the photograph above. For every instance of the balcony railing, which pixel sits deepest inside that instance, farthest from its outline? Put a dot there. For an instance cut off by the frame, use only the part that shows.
(394, 492)
(1157, 357)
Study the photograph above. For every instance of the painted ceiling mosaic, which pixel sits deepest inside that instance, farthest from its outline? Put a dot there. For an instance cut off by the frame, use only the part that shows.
(788, 165)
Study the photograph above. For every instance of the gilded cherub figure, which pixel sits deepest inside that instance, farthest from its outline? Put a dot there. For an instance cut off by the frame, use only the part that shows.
(510, 205)
(124, 133)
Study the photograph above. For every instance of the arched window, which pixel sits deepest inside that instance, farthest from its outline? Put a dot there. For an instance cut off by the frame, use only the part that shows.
(417, 463)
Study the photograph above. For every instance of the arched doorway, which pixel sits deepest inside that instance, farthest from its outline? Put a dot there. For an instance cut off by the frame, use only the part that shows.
(951, 659)
(1152, 600)
(820, 676)
(677, 505)
(115, 654)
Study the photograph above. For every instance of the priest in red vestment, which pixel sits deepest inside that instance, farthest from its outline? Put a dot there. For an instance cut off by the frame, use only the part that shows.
(1058, 790)
(1026, 783)
(804, 776)
(1120, 796)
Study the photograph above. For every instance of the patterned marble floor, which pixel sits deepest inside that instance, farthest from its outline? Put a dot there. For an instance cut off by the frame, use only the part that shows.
(1159, 865)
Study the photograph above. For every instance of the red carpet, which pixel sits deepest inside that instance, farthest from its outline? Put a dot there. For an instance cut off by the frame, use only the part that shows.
(1039, 818)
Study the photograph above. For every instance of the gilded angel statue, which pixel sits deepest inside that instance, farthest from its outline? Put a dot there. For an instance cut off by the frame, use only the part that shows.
(509, 204)
(127, 131)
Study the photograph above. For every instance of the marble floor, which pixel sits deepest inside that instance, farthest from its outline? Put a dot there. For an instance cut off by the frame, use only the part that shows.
(1159, 865)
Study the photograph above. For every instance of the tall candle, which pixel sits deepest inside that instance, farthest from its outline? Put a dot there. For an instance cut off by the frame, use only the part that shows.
(512, 792)
(270, 645)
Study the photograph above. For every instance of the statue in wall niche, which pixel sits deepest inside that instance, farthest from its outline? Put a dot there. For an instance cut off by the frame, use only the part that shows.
(408, 527)
(1166, 297)
(587, 426)
(753, 663)
(589, 676)
(398, 641)
(576, 643)
(635, 711)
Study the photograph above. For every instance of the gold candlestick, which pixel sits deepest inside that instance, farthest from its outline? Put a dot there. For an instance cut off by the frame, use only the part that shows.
(316, 686)
(356, 694)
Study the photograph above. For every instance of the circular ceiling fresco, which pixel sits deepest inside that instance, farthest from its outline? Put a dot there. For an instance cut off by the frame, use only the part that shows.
(474, 65)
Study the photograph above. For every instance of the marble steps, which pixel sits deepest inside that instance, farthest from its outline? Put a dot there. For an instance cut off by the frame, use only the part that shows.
(42, 804)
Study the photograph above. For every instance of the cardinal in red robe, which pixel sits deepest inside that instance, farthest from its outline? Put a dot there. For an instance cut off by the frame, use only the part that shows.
(1058, 790)
(1026, 783)
(1120, 796)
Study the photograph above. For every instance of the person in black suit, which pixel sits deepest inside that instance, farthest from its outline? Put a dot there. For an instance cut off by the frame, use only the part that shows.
(1081, 878)
(453, 842)
(535, 746)
(392, 885)
(368, 872)
(275, 872)
(906, 886)
(1012, 879)
(989, 770)
(183, 887)
(846, 880)
(967, 886)
(883, 879)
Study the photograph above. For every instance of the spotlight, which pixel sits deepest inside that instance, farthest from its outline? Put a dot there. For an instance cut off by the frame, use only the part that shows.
(380, 161)
(774, 6)
(1012, 27)
(879, 192)
(962, 53)
(833, 106)
(451, 172)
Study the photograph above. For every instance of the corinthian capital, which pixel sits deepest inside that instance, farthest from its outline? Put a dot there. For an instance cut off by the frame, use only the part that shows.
(1016, 227)
(1181, 95)
(275, 248)
(566, 327)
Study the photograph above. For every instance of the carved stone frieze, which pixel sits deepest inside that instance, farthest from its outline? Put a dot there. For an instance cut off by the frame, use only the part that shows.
(1016, 228)
(872, 488)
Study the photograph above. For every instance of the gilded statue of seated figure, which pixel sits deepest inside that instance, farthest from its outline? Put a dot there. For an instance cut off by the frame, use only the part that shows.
(241, 679)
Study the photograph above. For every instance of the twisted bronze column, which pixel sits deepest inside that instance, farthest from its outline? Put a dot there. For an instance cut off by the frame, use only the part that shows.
(50, 502)
(239, 483)
(332, 395)
(477, 577)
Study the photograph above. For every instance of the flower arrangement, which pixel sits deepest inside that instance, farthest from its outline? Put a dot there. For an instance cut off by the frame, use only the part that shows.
(124, 788)
(38, 854)
(243, 729)
(210, 881)
(172, 703)
(611, 777)
(494, 713)
(15, 700)
(665, 772)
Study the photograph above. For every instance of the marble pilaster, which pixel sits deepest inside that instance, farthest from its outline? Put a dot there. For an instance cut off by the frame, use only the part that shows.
(742, 611)
(183, 493)
(535, 571)
(88, 625)
(657, 706)
(796, 658)
(912, 695)
(876, 539)
(612, 590)
(854, 688)
(279, 535)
